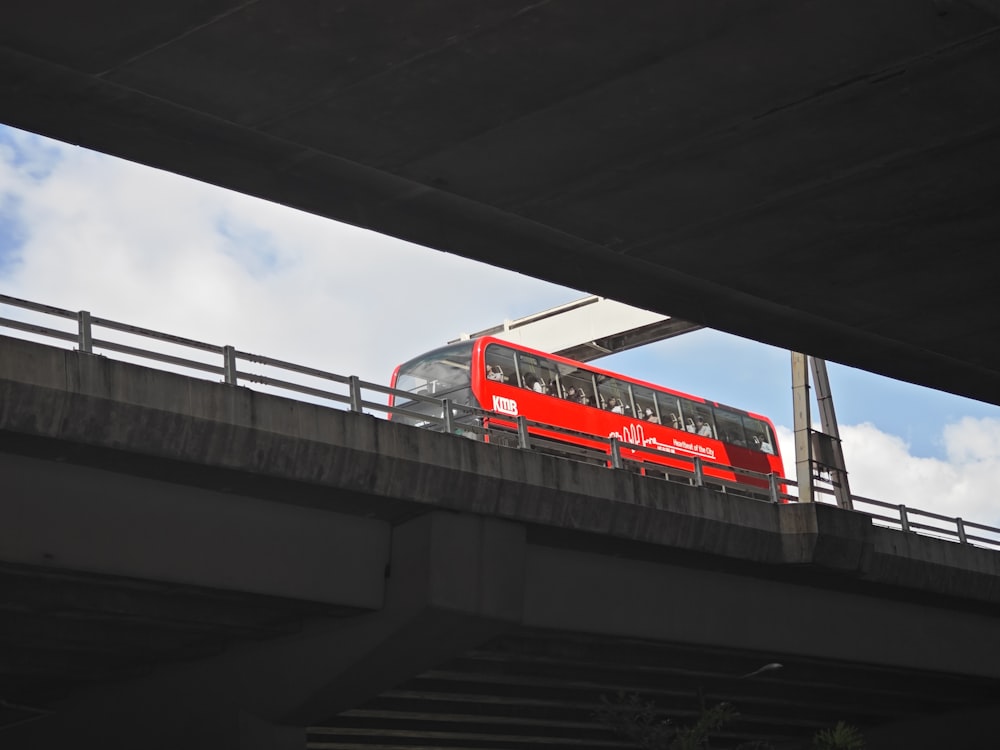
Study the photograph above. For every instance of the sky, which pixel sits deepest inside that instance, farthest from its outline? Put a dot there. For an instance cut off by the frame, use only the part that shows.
(84, 231)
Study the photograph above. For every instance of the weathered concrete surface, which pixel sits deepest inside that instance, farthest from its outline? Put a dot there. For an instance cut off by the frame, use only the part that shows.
(183, 481)
(453, 582)
(810, 618)
(196, 432)
(68, 517)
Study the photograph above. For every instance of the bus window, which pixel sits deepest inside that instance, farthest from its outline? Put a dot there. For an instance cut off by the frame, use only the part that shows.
(730, 428)
(577, 385)
(759, 433)
(537, 374)
(437, 373)
(613, 395)
(670, 411)
(500, 364)
(442, 373)
(645, 404)
(698, 418)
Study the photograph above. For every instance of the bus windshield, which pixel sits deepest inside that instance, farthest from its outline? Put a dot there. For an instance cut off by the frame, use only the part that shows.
(438, 373)
(444, 373)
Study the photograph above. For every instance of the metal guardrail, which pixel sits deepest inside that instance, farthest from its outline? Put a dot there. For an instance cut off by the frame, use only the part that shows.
(349, 392)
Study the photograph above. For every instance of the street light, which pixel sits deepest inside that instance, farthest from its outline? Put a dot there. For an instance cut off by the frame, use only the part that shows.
(766, 668)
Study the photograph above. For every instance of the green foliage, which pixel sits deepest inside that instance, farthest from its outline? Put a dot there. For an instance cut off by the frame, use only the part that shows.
(636, 720)
(648, 727)
(710, 720)
(644, 724)
(841, 737)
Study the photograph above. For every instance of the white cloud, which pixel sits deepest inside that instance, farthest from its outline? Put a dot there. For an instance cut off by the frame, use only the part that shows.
(973, 441)
(881, 466)
(159, 251)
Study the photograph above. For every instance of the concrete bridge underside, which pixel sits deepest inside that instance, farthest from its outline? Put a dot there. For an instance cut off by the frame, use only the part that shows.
(191, 564)
(817, 175)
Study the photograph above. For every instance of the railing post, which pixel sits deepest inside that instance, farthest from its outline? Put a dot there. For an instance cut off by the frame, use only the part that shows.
(904, 522)
(85, 339)
(355, 385)
(961, 531)
(446, 415)
(616, 453)
(772, 480)
(229, 364)
(523, 439)
(699, 473)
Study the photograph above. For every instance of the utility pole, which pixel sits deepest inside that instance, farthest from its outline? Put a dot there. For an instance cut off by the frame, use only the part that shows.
(800, 417)
(816, 448)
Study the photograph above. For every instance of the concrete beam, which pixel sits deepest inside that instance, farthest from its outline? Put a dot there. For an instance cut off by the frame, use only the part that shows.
(454, 581)
(659, 601)
(359, 465)
(62, 516)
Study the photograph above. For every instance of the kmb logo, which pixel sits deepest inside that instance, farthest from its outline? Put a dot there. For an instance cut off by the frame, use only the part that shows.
(505, 405)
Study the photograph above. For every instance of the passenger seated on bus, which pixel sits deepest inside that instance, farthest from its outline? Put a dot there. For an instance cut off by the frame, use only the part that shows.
(494, 372)
(704, 428)
(650, 417)
(571, 394)
(616, 406)
(689, 425)
(761, 444)
(533, 382)
(675, 422)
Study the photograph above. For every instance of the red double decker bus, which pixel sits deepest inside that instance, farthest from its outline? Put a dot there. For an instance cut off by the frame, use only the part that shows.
(514, 381)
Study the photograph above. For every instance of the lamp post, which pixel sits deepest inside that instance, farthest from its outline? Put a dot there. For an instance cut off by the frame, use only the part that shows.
(766, 668)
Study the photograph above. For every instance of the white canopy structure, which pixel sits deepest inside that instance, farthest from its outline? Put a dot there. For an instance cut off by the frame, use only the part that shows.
(588, 328)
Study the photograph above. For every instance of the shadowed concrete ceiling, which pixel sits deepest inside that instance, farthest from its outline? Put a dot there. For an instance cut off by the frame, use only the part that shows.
(819, 175)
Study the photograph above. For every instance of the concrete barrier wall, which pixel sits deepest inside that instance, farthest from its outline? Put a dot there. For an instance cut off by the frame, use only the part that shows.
(132, 419)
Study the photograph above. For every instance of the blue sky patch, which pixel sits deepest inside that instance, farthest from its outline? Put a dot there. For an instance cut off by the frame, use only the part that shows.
(30, 154)
(13, 233)
(252, 247)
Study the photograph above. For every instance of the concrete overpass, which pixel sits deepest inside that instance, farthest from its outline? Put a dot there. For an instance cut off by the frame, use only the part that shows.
(193, 564)
(817, 175)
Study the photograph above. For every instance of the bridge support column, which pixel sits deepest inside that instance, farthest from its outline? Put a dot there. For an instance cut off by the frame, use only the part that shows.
(454, 581)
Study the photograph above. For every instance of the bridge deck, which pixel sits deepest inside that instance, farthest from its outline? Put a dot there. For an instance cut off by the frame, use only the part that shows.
(466, 586)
